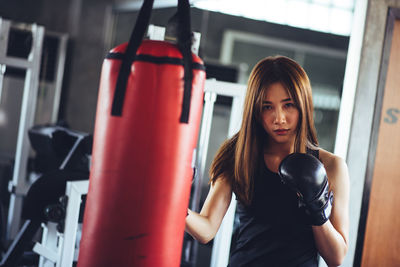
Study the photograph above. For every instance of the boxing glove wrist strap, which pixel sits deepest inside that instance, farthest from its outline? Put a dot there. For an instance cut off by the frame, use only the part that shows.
(320, 217)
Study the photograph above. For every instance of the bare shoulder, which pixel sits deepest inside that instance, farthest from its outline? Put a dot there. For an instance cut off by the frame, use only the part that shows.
(336, 168)
(222, 184)
(331, 160)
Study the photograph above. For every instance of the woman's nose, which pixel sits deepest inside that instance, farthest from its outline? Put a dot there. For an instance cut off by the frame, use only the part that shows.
(279, 116)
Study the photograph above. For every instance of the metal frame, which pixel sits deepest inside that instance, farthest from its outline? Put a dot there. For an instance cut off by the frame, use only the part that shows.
(18, 185)
(59, 249)
(220, 250)
(74, 191)
(221, 247)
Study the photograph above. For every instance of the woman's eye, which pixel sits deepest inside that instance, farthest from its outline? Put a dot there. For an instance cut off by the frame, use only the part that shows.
(289, 105)
(267, 107)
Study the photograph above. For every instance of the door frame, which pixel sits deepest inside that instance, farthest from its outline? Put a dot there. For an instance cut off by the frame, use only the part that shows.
(392, 16)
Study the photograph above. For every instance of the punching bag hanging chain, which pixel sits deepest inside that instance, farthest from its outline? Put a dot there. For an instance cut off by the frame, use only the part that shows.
(184, 45)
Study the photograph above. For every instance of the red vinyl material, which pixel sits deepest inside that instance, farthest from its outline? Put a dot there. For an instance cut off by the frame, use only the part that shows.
(141, 171)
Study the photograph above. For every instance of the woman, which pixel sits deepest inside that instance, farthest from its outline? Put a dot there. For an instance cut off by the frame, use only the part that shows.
(274, 229)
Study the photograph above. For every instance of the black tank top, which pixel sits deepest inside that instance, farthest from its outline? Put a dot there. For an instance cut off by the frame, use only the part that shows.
(273, 230)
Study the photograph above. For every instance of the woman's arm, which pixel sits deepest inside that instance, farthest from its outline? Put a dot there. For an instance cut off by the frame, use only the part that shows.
(332, 237)
(203, 226)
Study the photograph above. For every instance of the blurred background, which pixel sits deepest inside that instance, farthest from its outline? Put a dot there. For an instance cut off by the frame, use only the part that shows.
(340, 44)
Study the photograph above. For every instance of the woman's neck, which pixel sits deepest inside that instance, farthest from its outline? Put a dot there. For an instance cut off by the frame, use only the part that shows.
(274, 153)
(278, 149)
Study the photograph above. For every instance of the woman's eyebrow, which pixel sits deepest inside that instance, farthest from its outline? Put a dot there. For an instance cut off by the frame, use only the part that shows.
(283, 100)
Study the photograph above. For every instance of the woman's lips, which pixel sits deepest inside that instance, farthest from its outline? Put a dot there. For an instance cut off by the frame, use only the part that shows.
(281, 131)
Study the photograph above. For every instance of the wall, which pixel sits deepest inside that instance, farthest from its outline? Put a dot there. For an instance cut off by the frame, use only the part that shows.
(364, 107)
(84, 22)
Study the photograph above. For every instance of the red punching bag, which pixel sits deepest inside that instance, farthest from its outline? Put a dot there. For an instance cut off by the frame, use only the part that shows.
(146, 130)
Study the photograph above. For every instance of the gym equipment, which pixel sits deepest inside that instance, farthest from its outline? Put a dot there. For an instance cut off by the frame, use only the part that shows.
(66, 255)
(42, 200)
(214, 88)
(29, 95)
(30, 66)
(145, 134)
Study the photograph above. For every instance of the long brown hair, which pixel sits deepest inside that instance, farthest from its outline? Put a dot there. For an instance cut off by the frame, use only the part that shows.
(238, 158)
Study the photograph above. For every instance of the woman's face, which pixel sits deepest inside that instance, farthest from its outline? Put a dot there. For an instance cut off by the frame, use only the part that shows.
(280, 115)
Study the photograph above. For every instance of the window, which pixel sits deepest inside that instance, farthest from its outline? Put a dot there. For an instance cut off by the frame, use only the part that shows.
(330, 16)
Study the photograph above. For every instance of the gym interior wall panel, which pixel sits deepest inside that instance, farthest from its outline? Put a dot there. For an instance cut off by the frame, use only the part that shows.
(83, 65)
(362, 118)
(382, 224)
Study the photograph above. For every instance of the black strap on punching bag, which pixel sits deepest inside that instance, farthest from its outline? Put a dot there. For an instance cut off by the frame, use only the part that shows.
(134, 42)
(184, 45)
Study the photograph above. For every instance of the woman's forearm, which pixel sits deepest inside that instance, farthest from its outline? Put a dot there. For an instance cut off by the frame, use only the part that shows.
(331, 245)
(199, 227)
(204, 226)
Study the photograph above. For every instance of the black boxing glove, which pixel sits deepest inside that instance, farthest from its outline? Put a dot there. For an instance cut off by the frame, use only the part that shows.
(306, 175)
